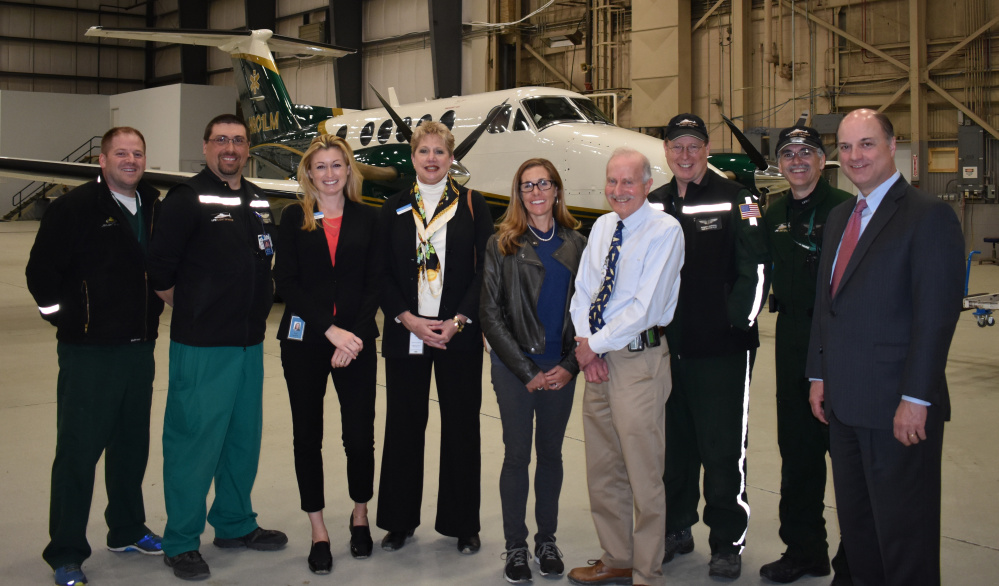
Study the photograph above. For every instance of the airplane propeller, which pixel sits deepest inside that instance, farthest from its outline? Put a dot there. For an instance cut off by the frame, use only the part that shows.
(754, 155)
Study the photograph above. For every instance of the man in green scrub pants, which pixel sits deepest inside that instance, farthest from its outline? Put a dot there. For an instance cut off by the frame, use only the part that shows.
(87, 272)
(210, 259)
(794, 233)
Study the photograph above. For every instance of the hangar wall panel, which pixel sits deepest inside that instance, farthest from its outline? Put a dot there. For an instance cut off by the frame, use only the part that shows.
(391, 18)
(38, 125)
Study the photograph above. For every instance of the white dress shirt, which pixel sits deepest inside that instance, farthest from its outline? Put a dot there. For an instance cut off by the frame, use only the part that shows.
(647, 283)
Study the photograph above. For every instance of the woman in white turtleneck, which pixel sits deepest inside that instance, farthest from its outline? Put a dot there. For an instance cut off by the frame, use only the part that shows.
(434, 236)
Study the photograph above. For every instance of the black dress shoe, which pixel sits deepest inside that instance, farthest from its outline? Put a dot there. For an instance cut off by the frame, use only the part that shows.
(360, 540)
(259, 539)
(790, 567)
(469, 545)
(320, 558)
(394, 540)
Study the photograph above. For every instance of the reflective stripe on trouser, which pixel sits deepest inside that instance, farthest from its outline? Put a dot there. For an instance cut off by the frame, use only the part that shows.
(211, 430)
(623, 426)
(707, 424)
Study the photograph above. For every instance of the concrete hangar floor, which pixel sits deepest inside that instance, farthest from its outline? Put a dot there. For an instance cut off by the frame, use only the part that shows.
(28, 369)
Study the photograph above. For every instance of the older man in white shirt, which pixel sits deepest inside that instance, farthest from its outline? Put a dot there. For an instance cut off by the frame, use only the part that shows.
(626, 289)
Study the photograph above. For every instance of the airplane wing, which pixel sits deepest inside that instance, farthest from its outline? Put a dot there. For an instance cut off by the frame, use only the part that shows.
(73, 174)
(223, 40)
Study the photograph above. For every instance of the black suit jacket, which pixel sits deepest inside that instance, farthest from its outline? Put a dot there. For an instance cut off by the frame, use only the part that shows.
(888, 330)
(310, 284)
(466, 247)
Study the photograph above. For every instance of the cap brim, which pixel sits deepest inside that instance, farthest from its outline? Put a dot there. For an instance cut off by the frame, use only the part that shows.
(682, 133)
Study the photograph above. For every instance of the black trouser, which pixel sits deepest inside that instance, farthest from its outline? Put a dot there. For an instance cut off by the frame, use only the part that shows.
(458, 374)
(306, 370)
(707, 418)
(103, 399)
(888, 500)
(803, 441)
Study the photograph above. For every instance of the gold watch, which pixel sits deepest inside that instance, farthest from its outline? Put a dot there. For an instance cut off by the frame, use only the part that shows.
(458, 324)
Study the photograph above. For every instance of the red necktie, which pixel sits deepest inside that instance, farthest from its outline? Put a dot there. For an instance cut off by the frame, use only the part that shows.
(848, 244)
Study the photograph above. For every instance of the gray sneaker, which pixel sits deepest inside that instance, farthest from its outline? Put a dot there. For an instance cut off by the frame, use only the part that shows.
(725, 565)
(681, 541)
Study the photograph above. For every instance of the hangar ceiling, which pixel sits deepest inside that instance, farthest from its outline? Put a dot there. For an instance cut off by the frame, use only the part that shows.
(931, 65)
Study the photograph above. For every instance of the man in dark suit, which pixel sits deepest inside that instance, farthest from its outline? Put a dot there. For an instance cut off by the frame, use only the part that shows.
(889, 295)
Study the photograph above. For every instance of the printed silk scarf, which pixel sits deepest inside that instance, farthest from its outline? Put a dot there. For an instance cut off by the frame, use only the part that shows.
(429, 266)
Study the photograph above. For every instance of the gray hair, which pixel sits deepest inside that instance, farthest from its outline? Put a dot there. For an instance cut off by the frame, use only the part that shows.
(628, 151)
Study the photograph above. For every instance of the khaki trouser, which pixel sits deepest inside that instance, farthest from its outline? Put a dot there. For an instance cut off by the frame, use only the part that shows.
(624, 424)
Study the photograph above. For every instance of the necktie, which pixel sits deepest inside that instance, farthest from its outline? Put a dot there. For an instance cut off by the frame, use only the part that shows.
(848, 244)
(607, 286)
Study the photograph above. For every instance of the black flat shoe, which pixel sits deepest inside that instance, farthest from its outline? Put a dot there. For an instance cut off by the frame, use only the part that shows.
(394, 540)
(360, 540)
(320, 558)
(469, 545)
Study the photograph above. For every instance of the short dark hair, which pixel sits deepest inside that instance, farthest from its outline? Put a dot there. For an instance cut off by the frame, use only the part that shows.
(225, 119)
(886, 125)
(110, 134)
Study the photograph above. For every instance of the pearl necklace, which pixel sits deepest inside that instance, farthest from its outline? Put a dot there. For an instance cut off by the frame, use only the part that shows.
(538, 236)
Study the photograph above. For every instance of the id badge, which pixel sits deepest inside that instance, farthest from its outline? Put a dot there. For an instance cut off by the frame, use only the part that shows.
(415, 344)
(296, 329)
(264, 242)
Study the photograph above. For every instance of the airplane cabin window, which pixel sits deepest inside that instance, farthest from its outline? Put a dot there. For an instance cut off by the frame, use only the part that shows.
(448, 119)
(342, 132)
(425, 118)
(520, 121)
(385, 132)
(551, 110)
(398, 133)
(592, 111)
(501, 121)
(367, 132)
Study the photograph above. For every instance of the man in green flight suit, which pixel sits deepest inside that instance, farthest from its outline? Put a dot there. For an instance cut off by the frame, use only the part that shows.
(712, 343)
(794, 232)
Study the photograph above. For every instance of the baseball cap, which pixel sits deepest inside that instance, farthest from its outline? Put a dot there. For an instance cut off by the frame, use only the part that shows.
(686, 125)
(797, 134)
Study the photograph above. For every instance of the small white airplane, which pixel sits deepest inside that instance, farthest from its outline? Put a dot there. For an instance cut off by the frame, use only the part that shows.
(505, 128)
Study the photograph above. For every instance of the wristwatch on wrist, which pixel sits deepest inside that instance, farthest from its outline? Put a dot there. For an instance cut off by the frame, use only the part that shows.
(458, 323)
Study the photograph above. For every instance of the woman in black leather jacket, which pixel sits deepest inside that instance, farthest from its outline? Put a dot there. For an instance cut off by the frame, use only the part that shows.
(530, 267)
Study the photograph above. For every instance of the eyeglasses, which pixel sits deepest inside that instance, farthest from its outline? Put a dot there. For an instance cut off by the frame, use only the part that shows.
(692, 149)
(801, 154)
(542, 184)
(223, 140)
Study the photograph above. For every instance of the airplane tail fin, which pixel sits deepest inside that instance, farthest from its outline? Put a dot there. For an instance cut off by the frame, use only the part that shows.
(267, 107)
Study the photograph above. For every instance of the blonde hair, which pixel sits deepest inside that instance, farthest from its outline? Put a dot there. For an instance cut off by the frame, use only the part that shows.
(513, 223)
(307, 196)
(436, 129)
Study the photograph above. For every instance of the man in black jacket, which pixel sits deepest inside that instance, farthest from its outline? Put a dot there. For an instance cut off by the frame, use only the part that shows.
(210, 259)
(712, 343)
(87, 273)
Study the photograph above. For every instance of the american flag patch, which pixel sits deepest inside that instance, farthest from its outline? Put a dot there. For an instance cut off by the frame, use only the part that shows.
(749, 210)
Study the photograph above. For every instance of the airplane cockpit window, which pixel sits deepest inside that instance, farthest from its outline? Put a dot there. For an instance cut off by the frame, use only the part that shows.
(398, 133)
(342, 132)
(592, 111)
(367, 132)
(520, 121)
(425, 118)
(551, 110)
(501, 121)
(448, 119)
(385, 132)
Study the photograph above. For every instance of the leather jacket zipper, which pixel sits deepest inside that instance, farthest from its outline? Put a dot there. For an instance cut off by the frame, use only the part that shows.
(86, 300)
